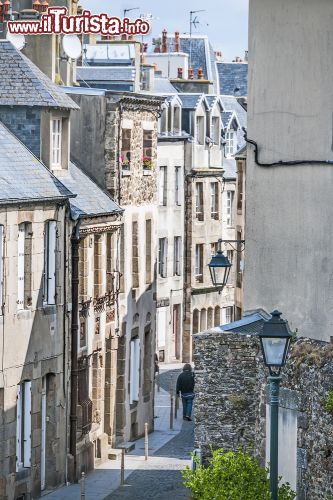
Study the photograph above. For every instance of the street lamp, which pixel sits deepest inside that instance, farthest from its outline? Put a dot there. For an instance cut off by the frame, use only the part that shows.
(275, 340)
(219, 268)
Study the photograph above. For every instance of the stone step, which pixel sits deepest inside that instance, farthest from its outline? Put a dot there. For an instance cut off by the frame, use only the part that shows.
(114, 454)
(127, 446)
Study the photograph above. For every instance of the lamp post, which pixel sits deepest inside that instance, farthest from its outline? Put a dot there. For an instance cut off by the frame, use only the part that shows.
(275, 340)
(219, 268)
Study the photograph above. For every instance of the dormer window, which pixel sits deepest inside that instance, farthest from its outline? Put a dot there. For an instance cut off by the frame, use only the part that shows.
(176, 120)
(56, 133)
(230, 143)
(215, 130)
(200, 132)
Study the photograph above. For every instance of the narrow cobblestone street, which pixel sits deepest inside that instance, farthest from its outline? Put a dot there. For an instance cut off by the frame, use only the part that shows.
(160, 477)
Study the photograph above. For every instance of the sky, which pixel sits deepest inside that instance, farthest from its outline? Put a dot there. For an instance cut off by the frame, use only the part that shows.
(224, 21)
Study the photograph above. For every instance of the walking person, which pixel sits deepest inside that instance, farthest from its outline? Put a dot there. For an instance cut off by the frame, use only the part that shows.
(185, 387)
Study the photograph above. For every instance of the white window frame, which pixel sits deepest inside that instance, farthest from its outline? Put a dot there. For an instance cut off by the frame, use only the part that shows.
(199, 201)
(199, 257)
(50, 247)
(230, 204)
(214, 204)
(56, 140)
(200, 130)
(2, 255)
(20, 265)
(228, 314)
(177, 186)
(177, 255)
(163, 257)
(135, 367)
(23, 425)
(215, 130)
(230, 142)
(162, 186)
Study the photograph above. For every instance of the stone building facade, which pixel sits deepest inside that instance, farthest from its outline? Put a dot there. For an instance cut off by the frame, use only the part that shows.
(231, 384)
(119, 150)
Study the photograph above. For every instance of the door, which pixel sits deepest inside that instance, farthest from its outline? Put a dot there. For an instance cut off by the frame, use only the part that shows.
(43, 440)
(176, 330)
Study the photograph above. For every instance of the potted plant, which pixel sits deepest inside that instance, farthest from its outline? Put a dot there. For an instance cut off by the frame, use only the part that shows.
(125, 162)
(147, 162)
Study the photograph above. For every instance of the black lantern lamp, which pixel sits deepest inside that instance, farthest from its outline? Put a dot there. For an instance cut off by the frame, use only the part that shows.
(275, 339)
(219, 268)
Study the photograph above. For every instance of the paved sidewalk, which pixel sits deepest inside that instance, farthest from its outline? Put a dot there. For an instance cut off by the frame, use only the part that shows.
(157, 478)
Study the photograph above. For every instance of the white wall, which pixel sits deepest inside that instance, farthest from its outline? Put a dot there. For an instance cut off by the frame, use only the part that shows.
(289, 263)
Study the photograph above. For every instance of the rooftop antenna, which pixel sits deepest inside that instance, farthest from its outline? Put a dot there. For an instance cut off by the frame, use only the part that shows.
(194, 21)
(130, 10)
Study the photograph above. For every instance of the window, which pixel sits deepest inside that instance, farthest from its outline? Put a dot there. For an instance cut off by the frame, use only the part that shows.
(109, 267)
(177, 186)
(163, 121)
(135, 370)
(217, 316)
(20, 266)
(24, 265)
(215, 130)
(230, 143)
(50, 238)
(148, 251)
(98, 269)
(147, 358)
(2, 255)
(177, 251)
(230, 202)
(162, 190)
(203, 320)
(195, 321)
(228, 315)
(23, 425)
(214, 206)
(163, 257)
(147, 159)
(125, 157)
(83, 333)
(199, 202)
(56, 142)
(200, 132)
(240, 186)
(209, 318)
(230, 255)
(135, 255)
(83, 269)
(199, 263)
(214, 248)
(177, 120)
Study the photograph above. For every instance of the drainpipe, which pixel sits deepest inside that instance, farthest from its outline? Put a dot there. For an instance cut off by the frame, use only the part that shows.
(75, 240)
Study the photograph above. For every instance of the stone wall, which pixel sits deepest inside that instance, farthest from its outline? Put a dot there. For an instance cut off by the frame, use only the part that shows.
(231, 399)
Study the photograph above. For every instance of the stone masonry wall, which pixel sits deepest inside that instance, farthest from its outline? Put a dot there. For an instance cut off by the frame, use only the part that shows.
(231, 398)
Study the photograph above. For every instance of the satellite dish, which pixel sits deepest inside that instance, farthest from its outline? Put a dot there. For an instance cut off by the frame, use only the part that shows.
(17, 40)
(72, 46)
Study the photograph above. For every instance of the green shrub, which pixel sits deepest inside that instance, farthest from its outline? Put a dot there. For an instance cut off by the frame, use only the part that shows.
(232, 476)
(329, 401)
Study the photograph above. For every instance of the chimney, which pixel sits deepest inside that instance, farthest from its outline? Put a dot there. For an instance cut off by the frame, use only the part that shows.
(36, 5)
(190, 74)
(45, 5)
(1, 12)
(246, 55)
(6, 6)
(177, 41)
(145, 47)
(180, 73)
(201, 75)
(164, 41)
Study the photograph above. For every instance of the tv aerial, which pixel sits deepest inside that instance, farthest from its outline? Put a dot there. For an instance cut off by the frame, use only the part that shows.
(72, 47)
(16, 39)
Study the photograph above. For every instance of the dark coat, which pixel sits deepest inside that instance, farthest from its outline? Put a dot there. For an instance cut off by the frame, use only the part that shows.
(185, 382)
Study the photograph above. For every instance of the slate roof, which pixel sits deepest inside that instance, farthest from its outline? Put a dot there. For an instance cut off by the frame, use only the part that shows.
(163, 86)
(22, 83)
(226, 117)
(233, 78)
(230, 103)
(211, 100)
(250, 324)
(23, 178)
(191, 101)
(91, 200)
(105, 73)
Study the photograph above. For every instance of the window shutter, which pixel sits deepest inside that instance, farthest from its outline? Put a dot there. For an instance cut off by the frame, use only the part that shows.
(161, 185)
(137, 369)
(165, 258)
(1, 265)
(51, 288)
(20, 266)
(27, 424)
(18, 428)
(132, 366)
